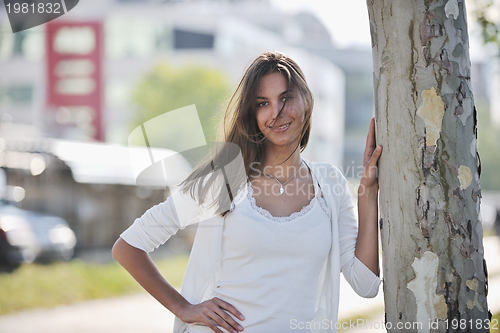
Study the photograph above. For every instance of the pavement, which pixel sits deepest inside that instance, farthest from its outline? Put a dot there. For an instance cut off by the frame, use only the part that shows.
(142, 313)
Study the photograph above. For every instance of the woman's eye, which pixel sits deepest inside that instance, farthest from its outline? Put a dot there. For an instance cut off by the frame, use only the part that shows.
(261, 104)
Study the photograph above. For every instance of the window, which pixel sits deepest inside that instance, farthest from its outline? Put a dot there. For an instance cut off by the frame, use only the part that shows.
(16, 94)
(184, 39)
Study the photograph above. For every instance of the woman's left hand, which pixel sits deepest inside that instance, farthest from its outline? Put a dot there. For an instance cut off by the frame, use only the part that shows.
(367, 241)
(369, 179)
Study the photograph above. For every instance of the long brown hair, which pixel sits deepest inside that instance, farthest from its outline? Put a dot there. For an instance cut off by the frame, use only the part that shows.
(239, 128)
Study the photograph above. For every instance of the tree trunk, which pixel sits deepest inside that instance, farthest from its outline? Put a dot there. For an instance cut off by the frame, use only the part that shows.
(435, 278)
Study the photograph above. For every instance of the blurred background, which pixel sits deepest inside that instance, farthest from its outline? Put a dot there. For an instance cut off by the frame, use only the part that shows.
(73, 89)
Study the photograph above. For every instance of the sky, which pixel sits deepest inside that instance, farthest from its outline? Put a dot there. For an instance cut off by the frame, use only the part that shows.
(348, 23)
(346, 30)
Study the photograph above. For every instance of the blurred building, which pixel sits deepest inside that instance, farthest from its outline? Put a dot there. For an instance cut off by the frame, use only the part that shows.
(138, 34)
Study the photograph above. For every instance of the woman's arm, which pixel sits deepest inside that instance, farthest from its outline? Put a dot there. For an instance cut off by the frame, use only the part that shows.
(367, 240)
(138, 263)
(211, 312)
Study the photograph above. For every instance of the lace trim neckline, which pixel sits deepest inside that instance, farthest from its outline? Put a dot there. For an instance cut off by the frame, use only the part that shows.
(280, 219)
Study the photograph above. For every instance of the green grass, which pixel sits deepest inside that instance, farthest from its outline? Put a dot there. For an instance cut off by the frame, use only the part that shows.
(488, 233)
(365, 317)
(34, 286)
(495, 323)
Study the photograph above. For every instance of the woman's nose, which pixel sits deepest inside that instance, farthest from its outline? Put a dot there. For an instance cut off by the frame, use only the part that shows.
(277, 108)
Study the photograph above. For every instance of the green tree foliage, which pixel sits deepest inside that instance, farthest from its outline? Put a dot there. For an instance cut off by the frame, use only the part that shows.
(165, 88)
(488, 23)
(488, 141)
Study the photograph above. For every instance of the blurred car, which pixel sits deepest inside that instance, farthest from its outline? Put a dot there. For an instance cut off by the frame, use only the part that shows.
(27, 236)
(17, 239)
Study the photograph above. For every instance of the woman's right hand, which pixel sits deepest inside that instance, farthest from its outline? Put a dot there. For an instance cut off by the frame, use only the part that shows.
(212, 312)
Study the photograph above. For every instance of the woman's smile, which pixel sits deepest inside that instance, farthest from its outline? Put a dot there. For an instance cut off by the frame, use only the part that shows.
(282, 128)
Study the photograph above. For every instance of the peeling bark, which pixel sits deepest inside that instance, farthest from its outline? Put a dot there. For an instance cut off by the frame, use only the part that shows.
(457, 194)
(473, 285)
(429, 30)
(451, 8)
(424, 289)
(464, 176)
(429, 171)
(443, 61)
(476, 193)
(431, 111)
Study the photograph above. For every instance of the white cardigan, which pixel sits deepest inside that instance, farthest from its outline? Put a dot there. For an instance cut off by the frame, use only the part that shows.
(181, 210)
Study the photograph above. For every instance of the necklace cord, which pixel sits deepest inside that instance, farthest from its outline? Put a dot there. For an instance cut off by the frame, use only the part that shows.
(281, 184)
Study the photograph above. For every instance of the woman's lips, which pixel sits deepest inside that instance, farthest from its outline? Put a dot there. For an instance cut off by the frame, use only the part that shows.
(281, 129)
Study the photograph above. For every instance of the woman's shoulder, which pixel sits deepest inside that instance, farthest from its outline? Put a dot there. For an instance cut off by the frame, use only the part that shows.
(331, 179)
(326, 170)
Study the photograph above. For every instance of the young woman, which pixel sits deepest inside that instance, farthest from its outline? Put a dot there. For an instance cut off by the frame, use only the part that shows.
(273, 239)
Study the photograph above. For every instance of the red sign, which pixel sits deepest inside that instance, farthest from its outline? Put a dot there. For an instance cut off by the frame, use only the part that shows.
(74, 75)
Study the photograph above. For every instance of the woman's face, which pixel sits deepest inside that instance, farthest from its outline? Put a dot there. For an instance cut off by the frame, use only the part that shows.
(271, 95)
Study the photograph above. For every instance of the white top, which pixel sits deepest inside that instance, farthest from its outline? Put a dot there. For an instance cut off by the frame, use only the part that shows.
(271, 265)
(205, 261)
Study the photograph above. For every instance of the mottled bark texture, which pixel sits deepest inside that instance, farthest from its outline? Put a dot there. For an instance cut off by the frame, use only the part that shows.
(434, 271)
